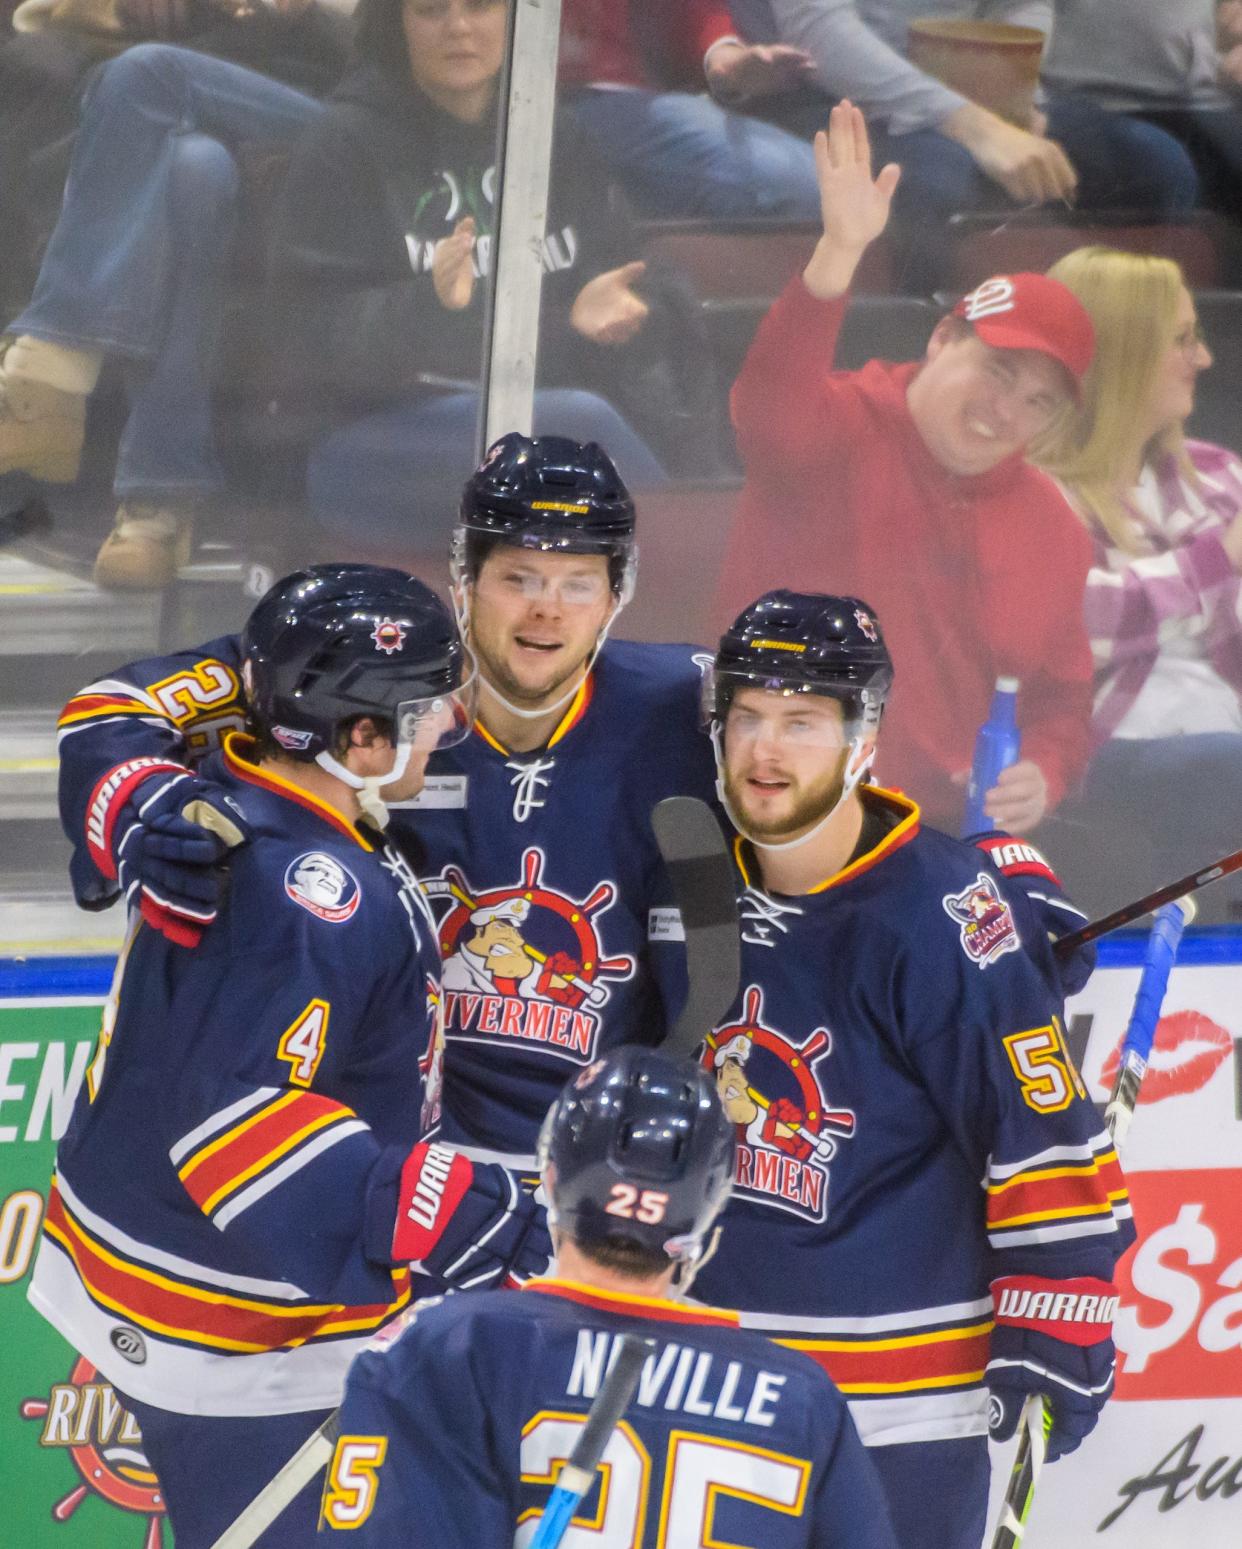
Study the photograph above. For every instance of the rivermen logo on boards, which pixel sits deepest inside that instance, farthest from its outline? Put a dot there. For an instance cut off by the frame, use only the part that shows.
(526, 962)
(787, 1130)
(85, 1417)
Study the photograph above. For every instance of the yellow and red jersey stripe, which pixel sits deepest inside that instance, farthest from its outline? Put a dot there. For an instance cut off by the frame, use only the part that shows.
(177, 1309)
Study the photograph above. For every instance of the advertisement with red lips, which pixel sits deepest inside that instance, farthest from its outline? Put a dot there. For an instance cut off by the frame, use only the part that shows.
(1164, 1467)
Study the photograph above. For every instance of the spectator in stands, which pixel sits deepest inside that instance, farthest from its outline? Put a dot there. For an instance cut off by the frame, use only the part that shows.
(55, 44)
(381, 252)
(135, 270)
(1162, 65)
(955, 154)
(907, 485)
(1164, 594)
(633, 74)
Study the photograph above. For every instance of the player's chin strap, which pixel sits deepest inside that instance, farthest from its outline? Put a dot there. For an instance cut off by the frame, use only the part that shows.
(369, 786)
(689, 1265)
(848, 785)
(463, 624)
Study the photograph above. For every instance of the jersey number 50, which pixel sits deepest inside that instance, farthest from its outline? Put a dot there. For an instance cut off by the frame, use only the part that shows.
(698, 1471)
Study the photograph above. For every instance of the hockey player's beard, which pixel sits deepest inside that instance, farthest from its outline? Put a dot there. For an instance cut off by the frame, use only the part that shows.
(809, 804)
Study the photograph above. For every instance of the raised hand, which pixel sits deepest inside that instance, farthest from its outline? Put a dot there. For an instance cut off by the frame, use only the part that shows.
(452, 267)
(854, 205)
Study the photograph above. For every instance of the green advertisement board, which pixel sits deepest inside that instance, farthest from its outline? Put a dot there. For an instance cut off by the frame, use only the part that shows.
(72, 1470)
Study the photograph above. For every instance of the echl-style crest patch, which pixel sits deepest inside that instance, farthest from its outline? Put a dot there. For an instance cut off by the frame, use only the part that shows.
(984, 920)
(866, 623)
(322, 885)
(389, 636)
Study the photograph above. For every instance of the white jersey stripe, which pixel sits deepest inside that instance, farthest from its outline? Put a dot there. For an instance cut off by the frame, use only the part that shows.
(773, 1323)
(156, 1258)
(219, 1120)
(1098, 1144)
(291, 1164)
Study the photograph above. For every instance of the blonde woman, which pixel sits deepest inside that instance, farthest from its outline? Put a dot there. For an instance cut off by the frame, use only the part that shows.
(1164, 594)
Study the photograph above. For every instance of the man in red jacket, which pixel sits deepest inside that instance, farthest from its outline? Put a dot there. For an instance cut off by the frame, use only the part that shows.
(906, 484)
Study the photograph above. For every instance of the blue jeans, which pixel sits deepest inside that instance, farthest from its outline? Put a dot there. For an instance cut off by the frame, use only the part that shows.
(138, 263)
(394, 478)
(1213, 141)
(210, 1469)
(683, 155)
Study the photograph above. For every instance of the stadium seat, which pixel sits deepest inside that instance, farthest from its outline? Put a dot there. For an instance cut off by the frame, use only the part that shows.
(996, 243)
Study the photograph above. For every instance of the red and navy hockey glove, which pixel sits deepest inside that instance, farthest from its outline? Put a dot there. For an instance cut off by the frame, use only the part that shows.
(1053, 1337)
(1022, 865)
(470, 1224)
(160, 833)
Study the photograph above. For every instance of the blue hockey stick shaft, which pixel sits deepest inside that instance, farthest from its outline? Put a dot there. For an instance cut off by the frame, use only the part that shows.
(1162, 945)
(578, 1475)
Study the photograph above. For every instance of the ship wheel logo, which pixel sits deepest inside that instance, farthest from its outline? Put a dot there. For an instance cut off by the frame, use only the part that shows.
(787, 1131)
(86, 1418)
(525, 961)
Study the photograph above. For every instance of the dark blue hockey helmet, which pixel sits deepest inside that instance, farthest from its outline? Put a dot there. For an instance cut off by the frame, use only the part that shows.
(552, 494)
(804, 643)
(638, 1148)
(334, 642)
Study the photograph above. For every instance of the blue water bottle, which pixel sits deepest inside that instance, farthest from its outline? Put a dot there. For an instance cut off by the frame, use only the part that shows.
(997, 745)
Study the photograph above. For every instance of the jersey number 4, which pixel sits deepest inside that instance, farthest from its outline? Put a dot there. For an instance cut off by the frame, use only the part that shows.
(302, 1043)
(698, 1471)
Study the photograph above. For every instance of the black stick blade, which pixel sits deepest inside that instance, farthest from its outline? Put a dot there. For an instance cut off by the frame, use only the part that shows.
(701, 873)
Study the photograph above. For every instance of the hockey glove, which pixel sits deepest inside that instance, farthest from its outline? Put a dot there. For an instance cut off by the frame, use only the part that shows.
(469, 1224)
(160, 833)
(1052, 1337)
(1022, 865)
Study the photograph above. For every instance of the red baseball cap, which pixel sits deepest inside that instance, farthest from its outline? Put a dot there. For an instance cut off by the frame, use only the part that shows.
(1032, 312)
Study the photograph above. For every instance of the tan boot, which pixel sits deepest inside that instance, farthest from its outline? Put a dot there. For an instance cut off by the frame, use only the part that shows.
(41, 430)
(148, 544)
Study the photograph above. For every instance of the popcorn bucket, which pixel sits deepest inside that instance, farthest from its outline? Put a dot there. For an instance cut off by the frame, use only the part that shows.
(993, 63)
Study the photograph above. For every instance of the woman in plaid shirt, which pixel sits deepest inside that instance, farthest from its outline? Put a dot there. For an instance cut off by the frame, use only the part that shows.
(1164, 594)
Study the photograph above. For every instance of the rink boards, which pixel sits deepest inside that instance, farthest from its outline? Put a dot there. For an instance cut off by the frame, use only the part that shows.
(1163, 1469)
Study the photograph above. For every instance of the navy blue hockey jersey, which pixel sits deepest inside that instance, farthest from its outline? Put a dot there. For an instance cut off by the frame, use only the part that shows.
(218, 1234)
(457, 1421)
(555, 922)
(910, 1125)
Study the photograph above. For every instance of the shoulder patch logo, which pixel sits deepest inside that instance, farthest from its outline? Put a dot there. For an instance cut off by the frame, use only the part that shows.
(321, 884)
(984, 920)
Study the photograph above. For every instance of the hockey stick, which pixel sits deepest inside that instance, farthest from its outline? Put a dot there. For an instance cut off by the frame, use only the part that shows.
(701, 873)
(578, 1475)
(1163, 895)
(311, 1457)
(1162, 945)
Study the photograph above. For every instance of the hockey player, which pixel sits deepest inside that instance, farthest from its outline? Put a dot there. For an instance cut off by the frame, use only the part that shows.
(243, 1193)
(558, 935)
(456, 1420)
(916, 1151)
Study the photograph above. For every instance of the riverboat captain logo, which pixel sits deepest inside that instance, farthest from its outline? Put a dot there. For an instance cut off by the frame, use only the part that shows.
(526, 962)
(787, 1130)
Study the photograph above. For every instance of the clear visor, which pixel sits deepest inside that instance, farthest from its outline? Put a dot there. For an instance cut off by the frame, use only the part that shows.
(439, 720)
(784, 713)
(575, 590)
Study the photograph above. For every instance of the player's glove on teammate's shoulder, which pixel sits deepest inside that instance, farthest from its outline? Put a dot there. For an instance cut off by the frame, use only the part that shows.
(1053, 1337)
(1025, 868)
(160, 833)
(471, 1224)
